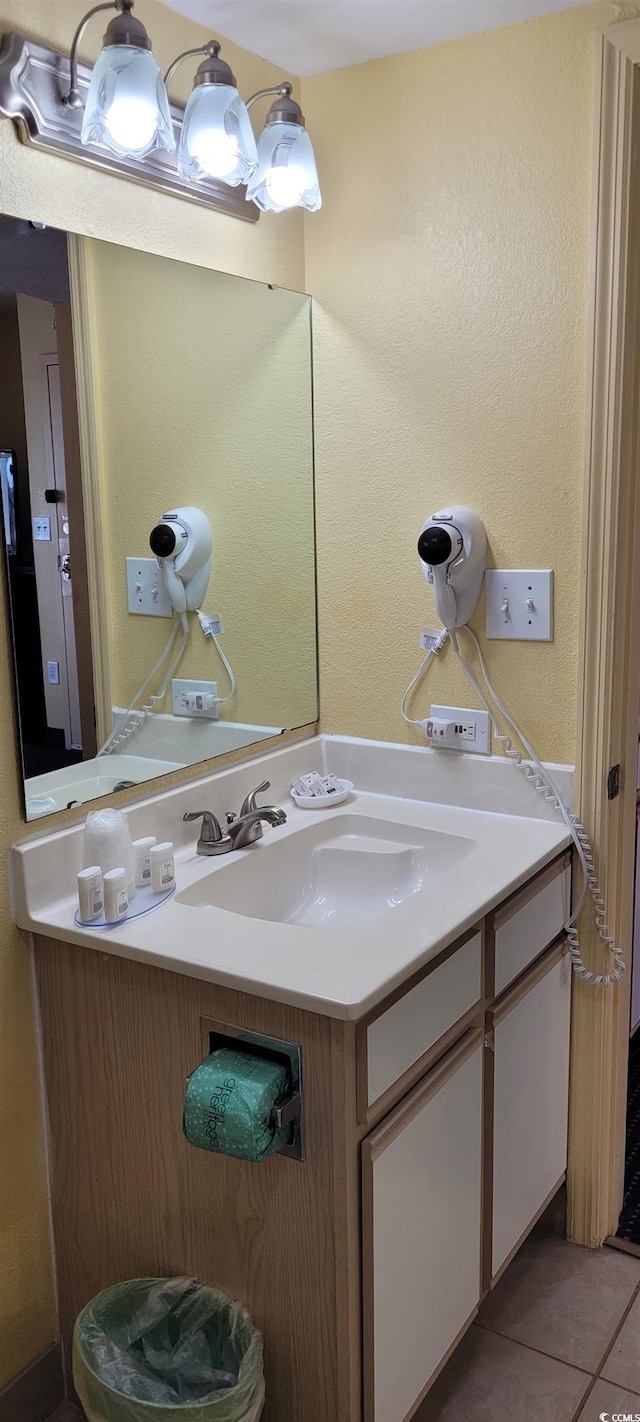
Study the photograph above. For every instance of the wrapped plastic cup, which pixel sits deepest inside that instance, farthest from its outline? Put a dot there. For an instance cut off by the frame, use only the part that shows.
(107, 842)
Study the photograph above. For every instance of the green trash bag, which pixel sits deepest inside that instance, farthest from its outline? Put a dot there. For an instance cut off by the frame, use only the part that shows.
(167, 1350)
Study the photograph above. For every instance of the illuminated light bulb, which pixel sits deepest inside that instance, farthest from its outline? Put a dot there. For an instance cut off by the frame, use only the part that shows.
(285, 185)
(132, 123)
(217, 153)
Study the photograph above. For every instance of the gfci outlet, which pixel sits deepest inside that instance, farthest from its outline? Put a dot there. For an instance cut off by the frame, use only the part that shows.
(473, 728)
(195, 698)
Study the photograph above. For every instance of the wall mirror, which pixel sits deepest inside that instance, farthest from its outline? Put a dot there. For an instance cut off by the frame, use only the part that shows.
(134, 386)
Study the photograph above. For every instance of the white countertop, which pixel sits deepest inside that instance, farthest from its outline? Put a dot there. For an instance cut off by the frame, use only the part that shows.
(337, 972)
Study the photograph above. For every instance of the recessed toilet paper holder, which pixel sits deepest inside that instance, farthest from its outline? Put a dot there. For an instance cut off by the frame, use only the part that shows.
(289, 1112)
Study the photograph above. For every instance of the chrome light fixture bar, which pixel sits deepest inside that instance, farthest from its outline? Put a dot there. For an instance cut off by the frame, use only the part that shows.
(37, 91)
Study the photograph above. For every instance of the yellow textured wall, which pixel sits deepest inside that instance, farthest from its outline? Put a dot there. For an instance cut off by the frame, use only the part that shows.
(220, 374)
(96, 204)
(449, 270)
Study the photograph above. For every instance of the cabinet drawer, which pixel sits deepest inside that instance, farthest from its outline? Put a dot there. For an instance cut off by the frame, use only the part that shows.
(397, 1040)
(530, 921)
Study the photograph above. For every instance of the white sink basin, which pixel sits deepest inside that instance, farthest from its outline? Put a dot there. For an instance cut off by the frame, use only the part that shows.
(396, 877)
(336, 874)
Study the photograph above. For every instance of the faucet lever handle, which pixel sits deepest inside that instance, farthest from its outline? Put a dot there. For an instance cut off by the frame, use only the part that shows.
(249, 804)
(211, 832)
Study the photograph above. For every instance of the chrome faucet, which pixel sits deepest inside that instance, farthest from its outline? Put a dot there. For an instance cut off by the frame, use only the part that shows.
(242, 830)
(247, 827)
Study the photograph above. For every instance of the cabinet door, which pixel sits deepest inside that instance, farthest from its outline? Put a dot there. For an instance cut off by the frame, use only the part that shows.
(530, 1100)
(422, 1175)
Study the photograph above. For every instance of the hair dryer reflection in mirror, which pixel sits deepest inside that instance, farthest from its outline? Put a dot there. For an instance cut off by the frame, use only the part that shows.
(183, 544)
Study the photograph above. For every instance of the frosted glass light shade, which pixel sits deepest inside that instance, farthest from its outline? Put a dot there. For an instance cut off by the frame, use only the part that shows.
(286, 175)
(217, 138)
(127, 107)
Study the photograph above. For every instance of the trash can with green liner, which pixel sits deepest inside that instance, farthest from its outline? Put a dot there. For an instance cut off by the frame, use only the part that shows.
(167, 1350)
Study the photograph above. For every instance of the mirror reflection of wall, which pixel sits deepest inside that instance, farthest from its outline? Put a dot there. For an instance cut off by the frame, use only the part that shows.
(198, 388)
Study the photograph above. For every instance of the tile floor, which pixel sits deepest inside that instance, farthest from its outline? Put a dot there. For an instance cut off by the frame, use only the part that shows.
(558, 1340)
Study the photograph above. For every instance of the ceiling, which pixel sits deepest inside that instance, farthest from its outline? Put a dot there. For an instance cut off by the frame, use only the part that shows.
(311, 36)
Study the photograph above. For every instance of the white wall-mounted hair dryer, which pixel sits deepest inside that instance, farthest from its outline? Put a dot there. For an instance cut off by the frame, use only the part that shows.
(183, 544)
(453, 552)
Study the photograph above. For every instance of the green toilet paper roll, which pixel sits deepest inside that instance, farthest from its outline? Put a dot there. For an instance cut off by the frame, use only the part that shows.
(228, 1106)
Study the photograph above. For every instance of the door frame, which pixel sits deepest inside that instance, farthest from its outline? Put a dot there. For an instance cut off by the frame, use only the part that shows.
(93, 480)
(60, 513)
(609, 667)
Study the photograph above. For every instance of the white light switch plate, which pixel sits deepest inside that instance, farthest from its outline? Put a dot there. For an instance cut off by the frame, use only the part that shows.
(146, 592)
(475, 732)
(520, 604)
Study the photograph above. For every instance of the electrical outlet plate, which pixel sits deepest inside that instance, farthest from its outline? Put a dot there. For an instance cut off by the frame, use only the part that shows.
(520, 604)
(475, 734)
(181, 689)
(146, 592)
(42, 530)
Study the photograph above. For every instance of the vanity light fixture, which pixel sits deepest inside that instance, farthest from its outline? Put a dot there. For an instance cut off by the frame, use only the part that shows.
(126, 108)
(217, 138)
(286, 175)
(117, 117)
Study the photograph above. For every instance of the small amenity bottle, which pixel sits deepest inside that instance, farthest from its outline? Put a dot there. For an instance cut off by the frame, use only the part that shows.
(116, 895)
(142, 860)
(90, 893)
(163, 875)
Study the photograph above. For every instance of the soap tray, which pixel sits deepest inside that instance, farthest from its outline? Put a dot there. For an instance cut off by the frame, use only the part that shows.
(145, 901)
(323, 802)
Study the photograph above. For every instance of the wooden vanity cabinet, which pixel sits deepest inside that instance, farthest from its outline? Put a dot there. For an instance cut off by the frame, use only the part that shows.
(435, 1129)
(131, 1198)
